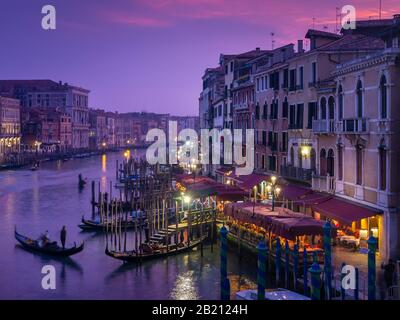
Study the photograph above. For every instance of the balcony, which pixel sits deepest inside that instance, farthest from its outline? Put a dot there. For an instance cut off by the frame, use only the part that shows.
(323, 126)
(354, 126)
(323, 183)
(295, 173)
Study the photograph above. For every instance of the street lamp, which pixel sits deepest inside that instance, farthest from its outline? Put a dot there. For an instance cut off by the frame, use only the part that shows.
(273, 189)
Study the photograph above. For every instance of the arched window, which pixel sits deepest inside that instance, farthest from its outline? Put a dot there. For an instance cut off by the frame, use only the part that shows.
(382, 168)
(359, 170)
(300, 158)
(330, 163)
(322, 162)
(323, 108)
(359, 96)
(313, 160)
(292, 156)
(383, 97)
(257, 111)
(340, 102)
(331, 108)
(340, 162)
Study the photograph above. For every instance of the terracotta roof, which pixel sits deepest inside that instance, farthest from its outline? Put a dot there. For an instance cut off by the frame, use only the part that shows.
(351, 42)
(312, 32)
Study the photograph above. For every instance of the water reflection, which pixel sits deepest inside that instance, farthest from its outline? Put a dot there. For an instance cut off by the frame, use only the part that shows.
(185, 287)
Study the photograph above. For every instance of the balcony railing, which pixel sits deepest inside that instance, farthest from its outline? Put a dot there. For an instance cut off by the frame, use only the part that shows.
(301, 174)
(323, 126)
(323, 183)
(354, 126)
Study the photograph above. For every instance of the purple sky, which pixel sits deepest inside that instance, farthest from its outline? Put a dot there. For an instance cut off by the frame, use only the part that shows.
(149, 55)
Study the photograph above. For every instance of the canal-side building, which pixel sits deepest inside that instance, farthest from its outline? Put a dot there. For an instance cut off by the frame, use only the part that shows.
(56, 95)
(45, 130)
(308, 74)
(271, 110)
(10, 134)
(358, 145)
(111, 127)
(65, 132)
(98, 132)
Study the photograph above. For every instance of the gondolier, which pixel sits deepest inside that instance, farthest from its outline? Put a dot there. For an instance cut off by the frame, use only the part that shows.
(63, 236)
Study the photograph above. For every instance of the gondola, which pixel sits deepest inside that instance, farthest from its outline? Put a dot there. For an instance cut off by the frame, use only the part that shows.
(132, 256)
(101, 226)
(51, 249)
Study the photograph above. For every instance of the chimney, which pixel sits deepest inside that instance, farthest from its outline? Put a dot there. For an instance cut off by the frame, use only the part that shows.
(258, 49)
(300, 46)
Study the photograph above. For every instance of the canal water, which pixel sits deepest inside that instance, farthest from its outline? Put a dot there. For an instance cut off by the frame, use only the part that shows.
(47, 199)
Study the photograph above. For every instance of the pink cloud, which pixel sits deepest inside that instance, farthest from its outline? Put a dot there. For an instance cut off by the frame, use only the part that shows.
(135, 19)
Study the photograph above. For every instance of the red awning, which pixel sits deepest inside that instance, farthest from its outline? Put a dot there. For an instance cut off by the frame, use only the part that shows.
(230, 193)
(282, 222)
(290, 228)
(249, 181)
(292, 192)
(345, 211)
(313, 198)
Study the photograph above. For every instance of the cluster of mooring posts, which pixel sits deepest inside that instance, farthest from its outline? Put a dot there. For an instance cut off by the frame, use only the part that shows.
(163, 220)
(311, 280)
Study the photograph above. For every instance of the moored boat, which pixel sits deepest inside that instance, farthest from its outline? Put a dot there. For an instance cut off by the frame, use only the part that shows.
(101, 226)
(50, 249)
(133, 256)
(271, 294)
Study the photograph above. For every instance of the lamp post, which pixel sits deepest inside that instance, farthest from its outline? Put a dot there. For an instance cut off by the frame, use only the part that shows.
(273, 189)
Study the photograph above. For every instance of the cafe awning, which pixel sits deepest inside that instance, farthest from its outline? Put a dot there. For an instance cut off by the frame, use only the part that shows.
(293, 193)
(249, 181)
(345, 211)
(230, 193)
(282, 222)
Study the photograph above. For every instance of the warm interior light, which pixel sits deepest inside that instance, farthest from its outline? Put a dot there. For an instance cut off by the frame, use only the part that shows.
(374, 232)
(186, 199)
(363, 234)
(273, 179)
(305, 151)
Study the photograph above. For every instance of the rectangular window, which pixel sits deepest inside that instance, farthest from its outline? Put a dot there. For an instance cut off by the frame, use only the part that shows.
(292, 116)
(299, 116)
(264, 138)
(265, 111)
(258, 84)
(314, 72)
(285, 78)
(292, 80)
(272, 163)
(285, 107)
(311, 114)
(301, 78)
(284, 142)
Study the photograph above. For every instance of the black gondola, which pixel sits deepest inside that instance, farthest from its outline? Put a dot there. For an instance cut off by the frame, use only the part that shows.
(51, 249)
(101, 226)
(132, 256)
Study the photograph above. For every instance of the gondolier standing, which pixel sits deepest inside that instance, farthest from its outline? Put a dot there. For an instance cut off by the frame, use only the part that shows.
(63, 236)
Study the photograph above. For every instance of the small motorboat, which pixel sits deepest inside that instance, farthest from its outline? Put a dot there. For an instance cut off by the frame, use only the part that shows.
(133, 256)
(52, 248)
(271, 294)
